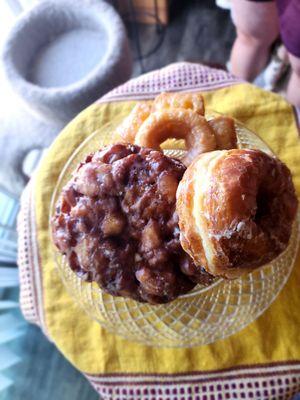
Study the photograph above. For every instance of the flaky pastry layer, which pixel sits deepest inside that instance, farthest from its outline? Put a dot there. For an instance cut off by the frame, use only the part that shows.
(236, 209)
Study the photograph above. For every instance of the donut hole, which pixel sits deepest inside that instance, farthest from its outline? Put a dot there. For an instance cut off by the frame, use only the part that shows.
(263, 202)
(179, 144)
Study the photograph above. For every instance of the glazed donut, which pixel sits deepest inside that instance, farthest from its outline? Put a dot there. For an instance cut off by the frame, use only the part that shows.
(193, 101)
(131, 124)
(225, 133)
(179, 124)
(236, 209)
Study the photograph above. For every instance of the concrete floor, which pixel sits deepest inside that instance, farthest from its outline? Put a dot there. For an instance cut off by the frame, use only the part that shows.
(198, 32)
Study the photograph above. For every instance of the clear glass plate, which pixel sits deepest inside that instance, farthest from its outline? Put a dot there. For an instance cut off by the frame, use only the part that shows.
(202, 316)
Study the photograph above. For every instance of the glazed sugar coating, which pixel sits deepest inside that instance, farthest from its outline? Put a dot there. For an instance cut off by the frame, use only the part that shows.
(116, 223)
(236, 210)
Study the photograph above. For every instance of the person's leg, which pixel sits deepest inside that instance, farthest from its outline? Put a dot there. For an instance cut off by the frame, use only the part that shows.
(257, 28)
(289, 17)
(293, 88)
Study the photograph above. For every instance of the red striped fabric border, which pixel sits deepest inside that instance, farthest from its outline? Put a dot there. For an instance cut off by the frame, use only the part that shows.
(279, 381)
(183, 76)
(30, 270)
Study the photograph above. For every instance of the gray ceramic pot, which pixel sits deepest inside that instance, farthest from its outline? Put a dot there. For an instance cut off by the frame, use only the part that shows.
(38, 27)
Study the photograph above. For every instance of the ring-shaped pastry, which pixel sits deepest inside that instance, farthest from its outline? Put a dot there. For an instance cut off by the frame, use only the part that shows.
(192, 101)
(178, 124)
(236, 209)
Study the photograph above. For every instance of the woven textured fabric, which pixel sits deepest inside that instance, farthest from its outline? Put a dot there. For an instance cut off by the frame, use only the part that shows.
(261, 361)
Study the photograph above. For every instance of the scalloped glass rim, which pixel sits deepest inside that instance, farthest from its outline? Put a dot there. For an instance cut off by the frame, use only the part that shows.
(173, 324)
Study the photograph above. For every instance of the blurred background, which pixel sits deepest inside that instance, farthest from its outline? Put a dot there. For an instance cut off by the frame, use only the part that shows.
(159, 32)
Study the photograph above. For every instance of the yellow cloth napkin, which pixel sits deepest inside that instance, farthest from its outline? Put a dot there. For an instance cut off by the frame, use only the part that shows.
(273, 338)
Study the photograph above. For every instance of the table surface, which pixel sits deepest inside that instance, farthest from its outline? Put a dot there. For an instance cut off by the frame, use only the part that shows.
(43, 373)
